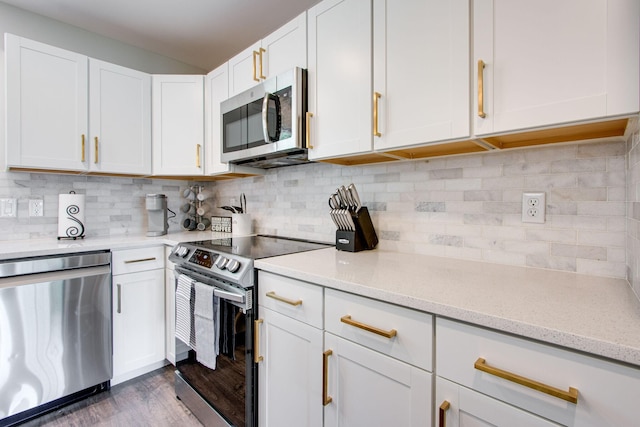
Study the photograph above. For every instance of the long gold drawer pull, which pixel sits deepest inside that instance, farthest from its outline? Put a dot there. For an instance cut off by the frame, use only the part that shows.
(83, 148)
(256, 341)
(198, 162)
(133, 261)
(272, 294)
(325, 377)
(308, 130)
(442, 414)
(569, 396)
(255, 76)
(387, 334)
(96, 147)
(376, 97)
(260, 52)
(481, 89)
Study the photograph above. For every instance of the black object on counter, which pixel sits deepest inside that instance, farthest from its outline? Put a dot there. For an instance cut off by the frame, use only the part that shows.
(363, 238)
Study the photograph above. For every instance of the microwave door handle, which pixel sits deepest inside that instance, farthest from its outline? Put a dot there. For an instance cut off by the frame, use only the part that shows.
(265, 117)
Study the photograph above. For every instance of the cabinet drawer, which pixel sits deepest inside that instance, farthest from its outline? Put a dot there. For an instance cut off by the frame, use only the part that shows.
(134, 260)
(299, 300)
(605, 390)
(369, 322)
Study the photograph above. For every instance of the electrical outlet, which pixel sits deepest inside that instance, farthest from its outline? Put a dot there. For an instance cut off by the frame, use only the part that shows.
(36, 207)
(533, 207)
(8, 208)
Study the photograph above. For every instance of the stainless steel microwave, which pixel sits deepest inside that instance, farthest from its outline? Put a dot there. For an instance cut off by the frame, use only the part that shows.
(263, 126)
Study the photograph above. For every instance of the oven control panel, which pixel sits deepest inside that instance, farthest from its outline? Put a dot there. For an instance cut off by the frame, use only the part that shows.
(203, 258)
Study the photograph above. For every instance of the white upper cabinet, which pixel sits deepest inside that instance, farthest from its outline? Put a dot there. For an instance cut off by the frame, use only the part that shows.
(339, 78)
(420, 72)
(178, 124)
(47, 106)
(66, 111)
(548, 62)
(283, 49)
(120, 119)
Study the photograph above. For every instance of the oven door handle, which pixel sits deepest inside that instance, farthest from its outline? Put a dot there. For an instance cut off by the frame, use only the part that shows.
(228, 295)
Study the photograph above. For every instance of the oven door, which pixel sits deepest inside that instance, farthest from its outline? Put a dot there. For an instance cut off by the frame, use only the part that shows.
(224, 396)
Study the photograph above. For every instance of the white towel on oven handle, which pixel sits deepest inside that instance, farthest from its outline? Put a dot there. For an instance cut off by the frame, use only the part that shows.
(184, 309)
(206, 324)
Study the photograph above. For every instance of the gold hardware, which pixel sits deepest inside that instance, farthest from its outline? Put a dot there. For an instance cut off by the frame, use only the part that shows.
(139, 260)
(256, 341)
(569, 396)
(376, 96)
(481, 112)
(255, 77)
(96, 150)
(308, 130)
(119, 309)
(387, 334)
(272, 294)
(198, 147)
(325, 377)
(442, 414)
(262, 76)
(83, 148)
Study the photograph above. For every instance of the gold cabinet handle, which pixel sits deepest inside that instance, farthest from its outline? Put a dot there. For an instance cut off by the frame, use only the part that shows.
(83, 148)
(481, 112)
(198, 148)
(255, 76)
(442, 414)
(308, 130)
(119, 309)
(272, 294)
(569, 396)
(387, 334)
(325, 378)
(256, 341)
(376, 97)
(95, 160)
(260, 52)
(133, 261)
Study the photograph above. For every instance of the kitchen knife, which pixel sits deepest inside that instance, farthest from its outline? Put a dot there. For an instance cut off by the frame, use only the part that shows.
(355, 197)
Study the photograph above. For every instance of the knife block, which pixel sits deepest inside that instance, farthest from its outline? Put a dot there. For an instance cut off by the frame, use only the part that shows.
(363, 238)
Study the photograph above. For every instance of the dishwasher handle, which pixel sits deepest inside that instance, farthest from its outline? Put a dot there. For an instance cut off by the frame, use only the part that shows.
(30, 279)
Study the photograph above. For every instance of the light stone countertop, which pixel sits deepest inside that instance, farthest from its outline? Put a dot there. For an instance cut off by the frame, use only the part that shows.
(52, 246)
(597, 315)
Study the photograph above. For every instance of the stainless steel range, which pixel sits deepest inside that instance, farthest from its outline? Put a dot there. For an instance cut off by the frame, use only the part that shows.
(215, 312)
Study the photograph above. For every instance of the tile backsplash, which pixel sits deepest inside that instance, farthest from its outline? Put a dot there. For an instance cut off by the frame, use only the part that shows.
(465, 207)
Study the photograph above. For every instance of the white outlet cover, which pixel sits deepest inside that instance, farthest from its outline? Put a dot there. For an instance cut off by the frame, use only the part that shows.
(8, 208)
(533, 207)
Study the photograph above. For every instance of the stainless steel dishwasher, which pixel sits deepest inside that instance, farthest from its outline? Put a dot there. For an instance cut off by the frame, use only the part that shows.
(55, 332)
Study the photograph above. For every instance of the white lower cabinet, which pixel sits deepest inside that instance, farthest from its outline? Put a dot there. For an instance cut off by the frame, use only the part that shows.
(366, 388)
(511, 375)
(458, 406)
(138, 312)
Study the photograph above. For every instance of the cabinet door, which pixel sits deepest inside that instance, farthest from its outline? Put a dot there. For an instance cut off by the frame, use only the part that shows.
(549, 62)
(369, 389)
(285, 48)
(290, 373)
(216, 91)
(339, 78)
(421, 71)
(138, 322)
(244, 69)
(120, 119)
(47, 111)
(178, 124)
(457, 406)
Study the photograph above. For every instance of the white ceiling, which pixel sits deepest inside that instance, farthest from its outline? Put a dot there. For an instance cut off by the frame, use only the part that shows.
(203, 33)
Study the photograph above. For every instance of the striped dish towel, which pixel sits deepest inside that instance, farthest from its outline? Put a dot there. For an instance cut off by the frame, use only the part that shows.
(184, 310)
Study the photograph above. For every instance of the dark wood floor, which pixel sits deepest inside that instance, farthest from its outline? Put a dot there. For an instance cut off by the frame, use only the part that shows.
(148, 400)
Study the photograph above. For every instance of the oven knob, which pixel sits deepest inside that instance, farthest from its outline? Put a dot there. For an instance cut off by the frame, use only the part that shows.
(233, 266)
(222, 262)
(182, 251)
